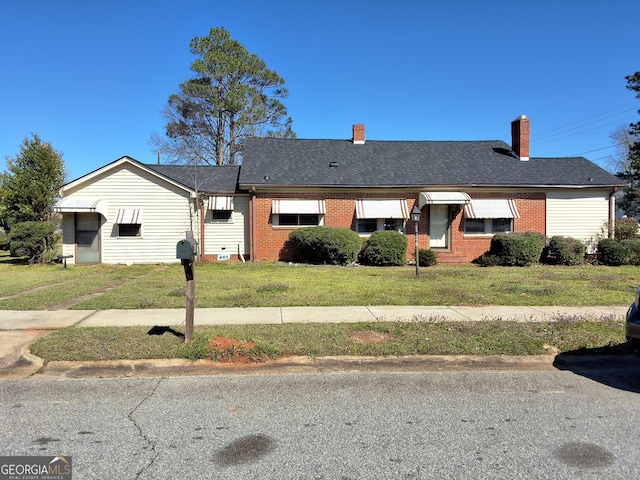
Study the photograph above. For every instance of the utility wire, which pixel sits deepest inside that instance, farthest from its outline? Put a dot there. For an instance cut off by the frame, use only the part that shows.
(585, 119)
(578, 133)
(564, 134)
(590, 151)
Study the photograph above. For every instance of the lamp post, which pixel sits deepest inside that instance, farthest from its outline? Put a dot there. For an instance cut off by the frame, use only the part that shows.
(415, 218)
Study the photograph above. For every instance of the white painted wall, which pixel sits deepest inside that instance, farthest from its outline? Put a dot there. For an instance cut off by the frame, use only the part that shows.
(167, 214)
(224, 237)
(579, 214)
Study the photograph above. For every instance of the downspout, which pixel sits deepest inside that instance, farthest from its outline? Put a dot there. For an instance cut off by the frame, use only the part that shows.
(252, 225)
(202, 214)
(612, 213)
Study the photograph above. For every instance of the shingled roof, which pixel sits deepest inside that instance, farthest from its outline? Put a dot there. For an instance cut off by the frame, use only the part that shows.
(276, 162)
(204, 178)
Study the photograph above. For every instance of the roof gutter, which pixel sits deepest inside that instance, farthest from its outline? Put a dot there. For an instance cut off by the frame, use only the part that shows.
(420, 187)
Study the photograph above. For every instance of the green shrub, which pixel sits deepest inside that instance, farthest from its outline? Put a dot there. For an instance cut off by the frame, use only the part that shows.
(4, 240)
(612, 252)
(517, 249)
(36, 240)
(633, 248)
(320, 245)
(565, 251)
(488, 260)
(386, 248)
(626, 228)
(427, 257)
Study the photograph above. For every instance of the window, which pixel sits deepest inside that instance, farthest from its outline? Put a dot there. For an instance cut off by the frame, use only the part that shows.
(488, 226)
(297, 213)
(380, 214)
(487, 216)
(221, 216)
(221, 207)
(129, 222)
(129, 229)
(296, 219)
(369, 225)
(502, 225)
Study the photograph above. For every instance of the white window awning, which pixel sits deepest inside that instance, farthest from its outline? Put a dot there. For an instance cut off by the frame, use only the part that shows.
(220, 202)
(128, 216)
(371, 208)
(313, 207)
(443, 198)
(491, 208)
(79, 205)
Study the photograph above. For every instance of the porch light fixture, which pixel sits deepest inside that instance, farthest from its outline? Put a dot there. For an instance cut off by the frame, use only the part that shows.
(415, 218)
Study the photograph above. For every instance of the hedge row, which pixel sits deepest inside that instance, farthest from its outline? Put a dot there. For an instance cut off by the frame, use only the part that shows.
(340, 246)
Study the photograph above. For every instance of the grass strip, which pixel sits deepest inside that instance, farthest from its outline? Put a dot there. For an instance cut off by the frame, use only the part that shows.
(376, 338)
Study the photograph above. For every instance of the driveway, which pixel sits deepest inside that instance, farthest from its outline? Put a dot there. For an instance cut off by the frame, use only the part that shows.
(20, 329)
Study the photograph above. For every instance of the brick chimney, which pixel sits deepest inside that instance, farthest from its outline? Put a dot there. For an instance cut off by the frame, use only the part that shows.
(358, 134)
(520, 137)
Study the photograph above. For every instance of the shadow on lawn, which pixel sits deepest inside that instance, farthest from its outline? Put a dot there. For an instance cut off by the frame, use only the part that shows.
(156, 330)
(617, 366)
(7, 260)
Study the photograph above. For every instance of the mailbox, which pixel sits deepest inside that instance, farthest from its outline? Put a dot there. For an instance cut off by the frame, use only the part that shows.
(186, 249)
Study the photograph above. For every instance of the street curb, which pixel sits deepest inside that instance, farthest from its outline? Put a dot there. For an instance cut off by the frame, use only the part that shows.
(25, 354)
(345, 363)
(294, 364)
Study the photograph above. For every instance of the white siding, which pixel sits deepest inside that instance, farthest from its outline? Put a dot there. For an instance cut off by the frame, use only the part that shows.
(225, 237)
(579, 214)
(166, 215)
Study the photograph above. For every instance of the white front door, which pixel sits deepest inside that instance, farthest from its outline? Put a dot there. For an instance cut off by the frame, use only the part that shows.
(439, 226)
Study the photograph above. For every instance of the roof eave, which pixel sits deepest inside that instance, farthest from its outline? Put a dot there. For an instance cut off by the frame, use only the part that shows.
(249, 186)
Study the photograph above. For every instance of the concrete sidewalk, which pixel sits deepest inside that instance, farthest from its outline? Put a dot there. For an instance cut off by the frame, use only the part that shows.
(51, 320)
(18, 329)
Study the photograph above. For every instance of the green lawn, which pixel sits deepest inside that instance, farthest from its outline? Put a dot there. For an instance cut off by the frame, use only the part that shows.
(280, 284)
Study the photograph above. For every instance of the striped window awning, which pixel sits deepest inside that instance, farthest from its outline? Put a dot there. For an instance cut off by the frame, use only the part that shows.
(128, 216)
(79, 205)
(313, 207)
(371, 208)
(443, 198)
(491, 208)
(221, 202)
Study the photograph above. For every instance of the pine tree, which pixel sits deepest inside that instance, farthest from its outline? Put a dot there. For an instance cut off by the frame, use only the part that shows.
(232, 96)
(31, 183)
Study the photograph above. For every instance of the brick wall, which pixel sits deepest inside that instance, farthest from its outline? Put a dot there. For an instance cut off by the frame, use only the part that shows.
(466, 248)
(272, 241)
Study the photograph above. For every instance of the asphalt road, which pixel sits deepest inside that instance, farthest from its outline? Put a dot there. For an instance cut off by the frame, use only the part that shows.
(340, 425)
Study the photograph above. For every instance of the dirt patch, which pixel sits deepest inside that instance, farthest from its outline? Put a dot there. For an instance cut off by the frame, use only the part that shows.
(370, 336)
(231, 350)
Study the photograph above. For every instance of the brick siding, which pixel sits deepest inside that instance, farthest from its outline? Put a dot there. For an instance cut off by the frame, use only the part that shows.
(272, 242)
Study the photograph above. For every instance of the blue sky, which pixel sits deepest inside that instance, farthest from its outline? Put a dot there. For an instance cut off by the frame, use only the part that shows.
(91, 77)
